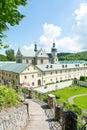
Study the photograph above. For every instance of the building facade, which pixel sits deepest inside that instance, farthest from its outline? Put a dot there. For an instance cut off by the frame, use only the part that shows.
(34, 69)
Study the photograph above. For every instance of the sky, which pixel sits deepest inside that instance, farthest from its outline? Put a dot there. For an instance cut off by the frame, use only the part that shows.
(61, 21)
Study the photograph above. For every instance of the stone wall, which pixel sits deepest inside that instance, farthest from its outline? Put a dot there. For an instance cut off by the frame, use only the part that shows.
(14, 118)
(82, 83)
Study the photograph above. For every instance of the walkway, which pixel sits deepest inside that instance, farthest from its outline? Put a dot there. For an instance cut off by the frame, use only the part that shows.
(71, 98)
(38, 118)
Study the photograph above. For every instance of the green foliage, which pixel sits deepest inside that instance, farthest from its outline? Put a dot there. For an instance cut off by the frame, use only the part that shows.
(81, 101)
(83, 78)
(75, 108)
(10, 55)
(74, 56)
(65, 93)
(49, 83)
(3, 58)
(24, 90)
(9, 14)
(8, 97)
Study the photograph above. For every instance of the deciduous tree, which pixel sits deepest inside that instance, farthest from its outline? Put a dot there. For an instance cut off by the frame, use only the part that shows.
(10, 55)
(9, 14)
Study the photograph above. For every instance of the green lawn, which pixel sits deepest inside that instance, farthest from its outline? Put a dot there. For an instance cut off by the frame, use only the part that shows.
(81, 102)
(65, 93)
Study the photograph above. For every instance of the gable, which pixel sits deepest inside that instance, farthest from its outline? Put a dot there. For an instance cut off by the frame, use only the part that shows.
(42, 53)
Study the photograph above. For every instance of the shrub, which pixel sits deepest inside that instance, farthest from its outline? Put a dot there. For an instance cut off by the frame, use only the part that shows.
(75, 108)
(82, 78)
(25, 90)
(8, 97)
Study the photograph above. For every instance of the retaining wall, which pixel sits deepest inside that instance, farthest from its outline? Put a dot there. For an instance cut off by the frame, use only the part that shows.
(82, 83)
(14, 118)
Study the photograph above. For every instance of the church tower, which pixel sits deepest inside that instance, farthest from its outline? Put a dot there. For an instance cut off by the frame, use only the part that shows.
(54, 54)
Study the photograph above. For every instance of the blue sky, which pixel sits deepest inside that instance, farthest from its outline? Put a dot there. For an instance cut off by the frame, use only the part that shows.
(62, 21)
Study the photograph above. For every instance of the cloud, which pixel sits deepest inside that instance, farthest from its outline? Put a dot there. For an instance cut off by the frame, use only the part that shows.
(74, 43)
(68, 44)
(80, 28)
(50, 33)
(81, 12)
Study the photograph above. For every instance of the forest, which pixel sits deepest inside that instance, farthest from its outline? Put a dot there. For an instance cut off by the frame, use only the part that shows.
(10, 56)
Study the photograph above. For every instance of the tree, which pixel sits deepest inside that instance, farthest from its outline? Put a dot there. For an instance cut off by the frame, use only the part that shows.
(9, 14)
(10, 55)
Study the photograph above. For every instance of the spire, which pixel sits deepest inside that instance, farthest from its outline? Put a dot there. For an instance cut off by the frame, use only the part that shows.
(53, 44)
(35, 47)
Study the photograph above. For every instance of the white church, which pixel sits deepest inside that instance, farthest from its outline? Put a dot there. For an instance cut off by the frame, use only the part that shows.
(34, 68)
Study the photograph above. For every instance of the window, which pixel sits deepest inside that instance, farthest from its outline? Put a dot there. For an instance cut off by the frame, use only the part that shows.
(44, 73)
(32, 83)
(32, 76)
(66, 66)
(44, 81)
(25, 77)
(41, 61)
(62, 66)
(51, 66)
(51, 73)
(27, 61)
(50, 79)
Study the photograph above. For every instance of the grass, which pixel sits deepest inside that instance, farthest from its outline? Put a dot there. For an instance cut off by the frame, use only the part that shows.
(81, 102)
(64, 94)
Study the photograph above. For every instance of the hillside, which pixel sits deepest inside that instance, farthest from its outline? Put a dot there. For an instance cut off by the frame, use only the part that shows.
(73, 56)
(61, 56)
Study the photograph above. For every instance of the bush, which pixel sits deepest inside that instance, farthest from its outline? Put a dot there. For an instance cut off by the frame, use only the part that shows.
(82, 78)
(25, 90)
(57, 96)
(8, 97)
(75, 108)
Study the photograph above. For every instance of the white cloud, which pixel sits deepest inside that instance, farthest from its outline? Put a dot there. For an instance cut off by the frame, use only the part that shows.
(81, 24)
(81, 12)
(66, 44)
(28, 47)
(75, 43)
(50, 33)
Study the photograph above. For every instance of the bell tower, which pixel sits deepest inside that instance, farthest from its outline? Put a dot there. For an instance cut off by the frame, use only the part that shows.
(54, 54)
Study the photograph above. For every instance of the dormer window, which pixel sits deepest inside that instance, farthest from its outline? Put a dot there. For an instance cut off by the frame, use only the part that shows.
(50, 66)
(62, 66)
(66, 66)
(47, 66)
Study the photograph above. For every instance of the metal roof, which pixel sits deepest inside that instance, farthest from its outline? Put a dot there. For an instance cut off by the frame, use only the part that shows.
(13, 67)
(27, 53)
(72, 61)
(60, 66)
